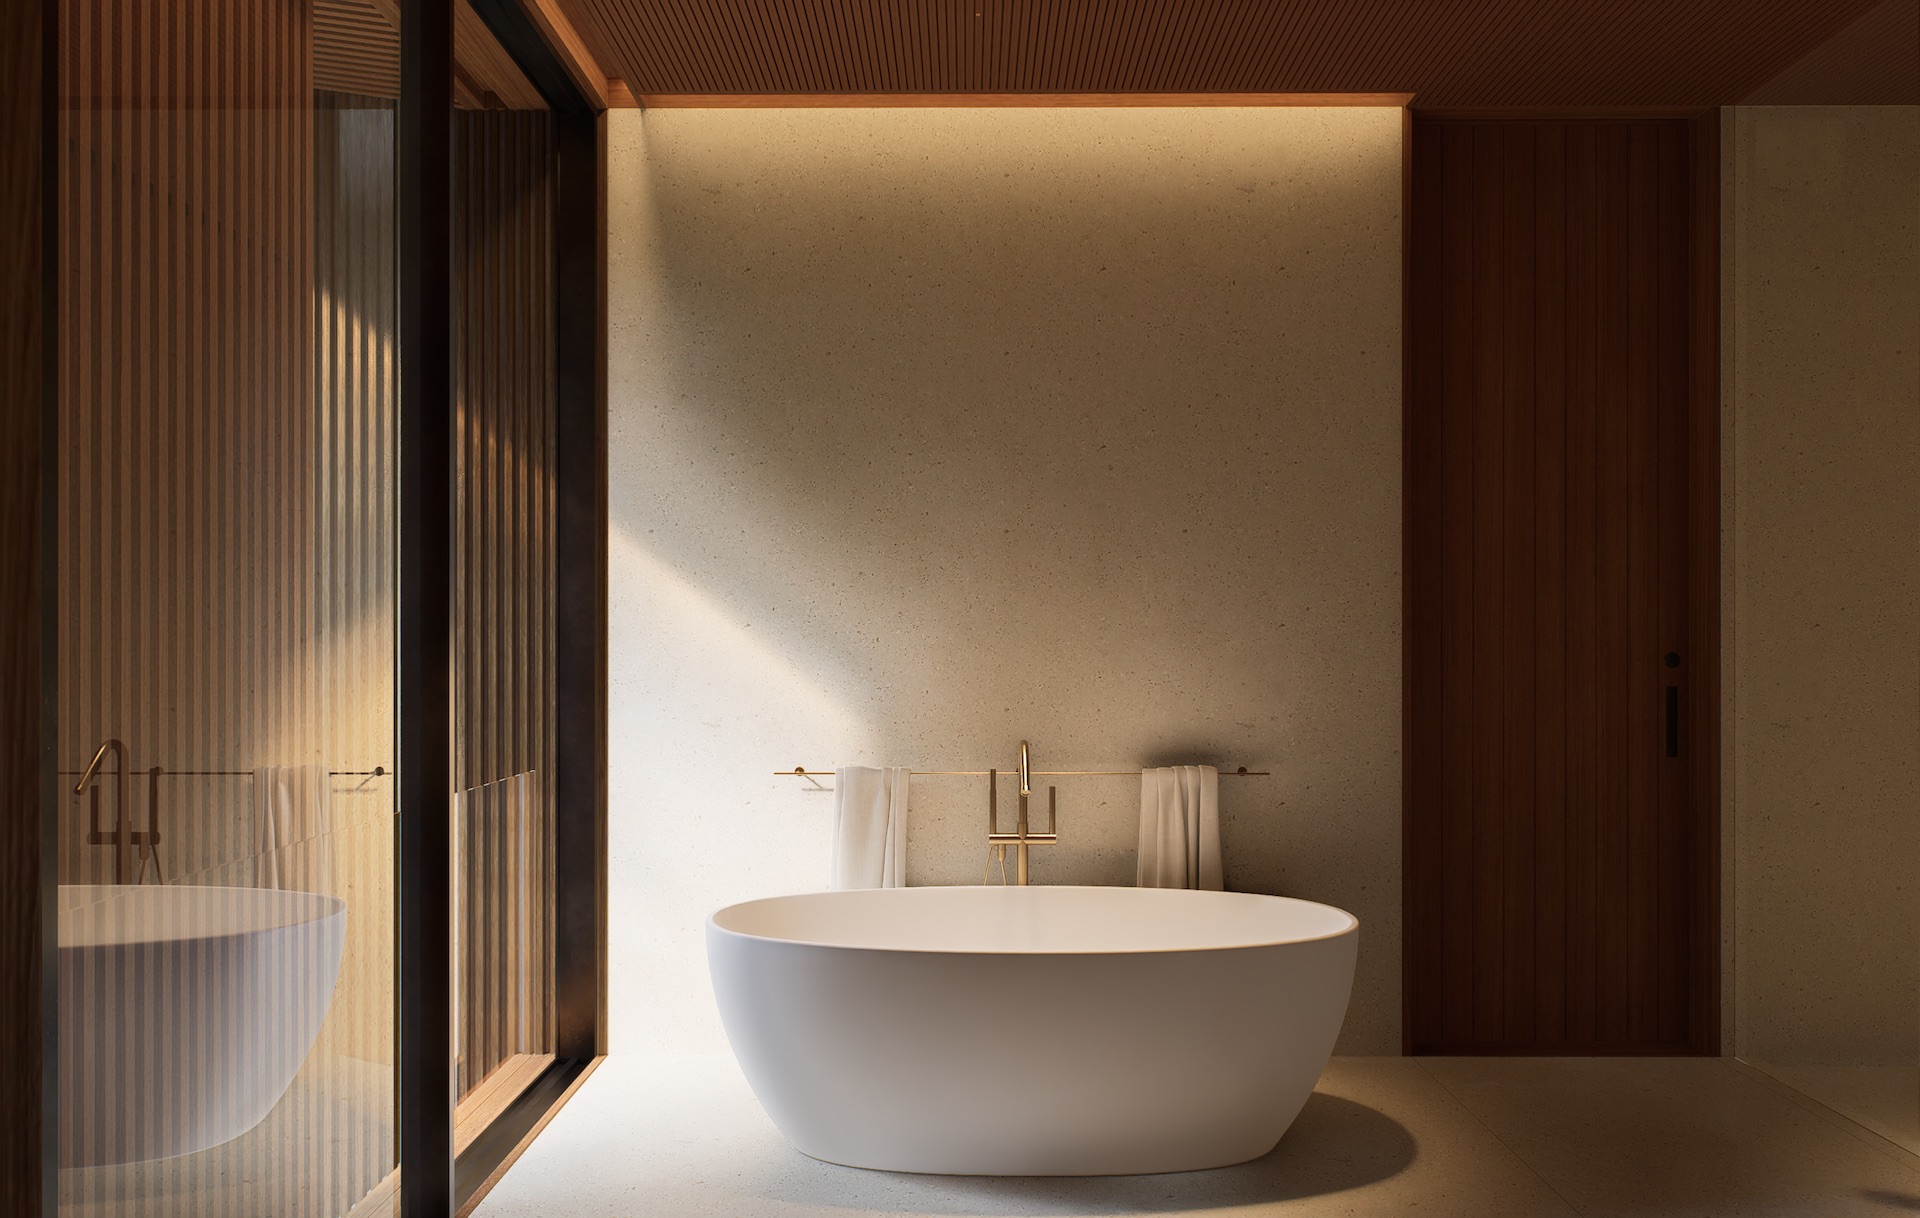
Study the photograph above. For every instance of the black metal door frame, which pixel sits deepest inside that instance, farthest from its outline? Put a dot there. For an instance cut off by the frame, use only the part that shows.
(433, 1184)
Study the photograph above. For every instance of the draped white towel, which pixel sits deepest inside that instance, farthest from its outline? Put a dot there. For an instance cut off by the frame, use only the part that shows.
(293, 828)
(1180, 827)
(869, 827)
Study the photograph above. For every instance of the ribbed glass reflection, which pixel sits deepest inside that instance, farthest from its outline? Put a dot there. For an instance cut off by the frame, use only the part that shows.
(226, 461)
(226, 594)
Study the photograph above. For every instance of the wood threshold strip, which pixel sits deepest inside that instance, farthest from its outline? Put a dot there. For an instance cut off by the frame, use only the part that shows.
(381, 1201)
(504, 1139)
(494, 1095)
(747, 101)
(502, 1089)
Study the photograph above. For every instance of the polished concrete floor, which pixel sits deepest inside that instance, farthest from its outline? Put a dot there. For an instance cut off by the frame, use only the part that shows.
(1474, 1137)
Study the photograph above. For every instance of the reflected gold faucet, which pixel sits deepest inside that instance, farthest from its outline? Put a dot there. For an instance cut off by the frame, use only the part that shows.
(122, 838)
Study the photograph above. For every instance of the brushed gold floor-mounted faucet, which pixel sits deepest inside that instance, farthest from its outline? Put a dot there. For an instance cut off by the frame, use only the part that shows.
(1022, 837)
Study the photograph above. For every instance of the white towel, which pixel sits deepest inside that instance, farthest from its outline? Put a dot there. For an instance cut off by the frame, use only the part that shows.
(293, 828)
(869, 827)
(1180, 827)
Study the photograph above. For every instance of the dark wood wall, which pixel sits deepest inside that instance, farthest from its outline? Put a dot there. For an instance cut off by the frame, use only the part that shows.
(1560, 861)
(21, 588)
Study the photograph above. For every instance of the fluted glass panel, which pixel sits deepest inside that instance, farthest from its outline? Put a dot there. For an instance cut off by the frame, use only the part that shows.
(227, 370)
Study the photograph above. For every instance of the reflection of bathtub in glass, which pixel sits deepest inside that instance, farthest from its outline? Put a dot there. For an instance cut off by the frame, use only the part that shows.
(185, 1012)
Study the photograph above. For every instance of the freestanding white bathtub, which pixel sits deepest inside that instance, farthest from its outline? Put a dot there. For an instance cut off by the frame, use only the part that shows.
(185, 1012)
(1045, 1031)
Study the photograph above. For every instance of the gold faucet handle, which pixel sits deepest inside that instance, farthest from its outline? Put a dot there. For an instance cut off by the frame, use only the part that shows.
(1053, 824)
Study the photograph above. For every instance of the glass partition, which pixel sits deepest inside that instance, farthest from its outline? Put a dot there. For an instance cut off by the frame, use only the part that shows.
(225, 586)
(230, 586)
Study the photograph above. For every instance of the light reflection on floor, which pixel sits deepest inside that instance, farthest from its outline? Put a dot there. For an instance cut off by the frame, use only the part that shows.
(1479, 1137)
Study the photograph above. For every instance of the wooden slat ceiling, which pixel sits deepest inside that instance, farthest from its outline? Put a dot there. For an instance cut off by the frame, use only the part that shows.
(1873, 62)
(1463, 53)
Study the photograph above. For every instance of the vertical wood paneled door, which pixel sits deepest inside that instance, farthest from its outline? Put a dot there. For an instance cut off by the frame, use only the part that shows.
(1561, 497)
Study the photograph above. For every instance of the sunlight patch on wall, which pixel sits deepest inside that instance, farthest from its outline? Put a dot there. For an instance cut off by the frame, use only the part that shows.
(703, 708)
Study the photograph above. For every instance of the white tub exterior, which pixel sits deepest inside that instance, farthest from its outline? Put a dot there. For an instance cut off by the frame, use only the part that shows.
(1032, 1031)
(185, 1012)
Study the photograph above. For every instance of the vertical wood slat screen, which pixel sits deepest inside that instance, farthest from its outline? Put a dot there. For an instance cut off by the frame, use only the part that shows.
(1551, 867)
(504, 577)
(500, 929)
(224, 538)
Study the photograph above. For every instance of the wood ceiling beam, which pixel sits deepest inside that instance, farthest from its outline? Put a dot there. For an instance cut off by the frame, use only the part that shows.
(469, 94)
(564, 37)
(484, 77)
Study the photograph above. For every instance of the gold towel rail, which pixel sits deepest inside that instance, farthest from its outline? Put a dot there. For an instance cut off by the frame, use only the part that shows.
(1238, 772)
(378, 771)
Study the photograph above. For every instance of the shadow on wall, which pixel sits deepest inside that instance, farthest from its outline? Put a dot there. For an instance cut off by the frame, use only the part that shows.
(1335, 1145)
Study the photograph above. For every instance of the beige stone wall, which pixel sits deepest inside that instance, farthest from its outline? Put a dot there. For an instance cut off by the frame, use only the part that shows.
(933, 430)
(1822, 581)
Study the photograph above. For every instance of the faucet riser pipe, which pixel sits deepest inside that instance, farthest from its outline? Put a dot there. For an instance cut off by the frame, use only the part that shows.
(1023, 834)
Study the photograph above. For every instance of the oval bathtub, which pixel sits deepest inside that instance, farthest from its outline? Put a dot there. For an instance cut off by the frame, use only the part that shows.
(1045, 1031)
(185, 1012)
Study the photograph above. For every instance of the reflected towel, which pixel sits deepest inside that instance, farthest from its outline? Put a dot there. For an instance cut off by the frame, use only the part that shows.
(869, 827)
(1180, 827)
(293, 828)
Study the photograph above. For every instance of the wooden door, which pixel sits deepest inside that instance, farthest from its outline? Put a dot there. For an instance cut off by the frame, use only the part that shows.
(1561, 814)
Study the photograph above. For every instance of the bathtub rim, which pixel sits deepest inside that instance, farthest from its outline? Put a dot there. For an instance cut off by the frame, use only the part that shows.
(336, 907)
(713, 926)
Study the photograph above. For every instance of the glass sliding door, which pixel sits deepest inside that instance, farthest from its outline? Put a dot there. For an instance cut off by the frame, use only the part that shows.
(227, 369)
(526, 828)
(314, 808)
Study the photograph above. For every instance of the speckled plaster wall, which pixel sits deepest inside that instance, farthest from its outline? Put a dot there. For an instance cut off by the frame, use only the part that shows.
(1822, 580)
(934, 429)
